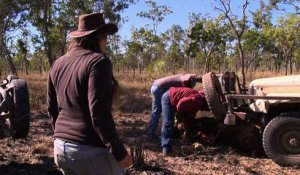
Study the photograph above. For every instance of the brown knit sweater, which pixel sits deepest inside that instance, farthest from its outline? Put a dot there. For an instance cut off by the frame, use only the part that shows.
(79, 100)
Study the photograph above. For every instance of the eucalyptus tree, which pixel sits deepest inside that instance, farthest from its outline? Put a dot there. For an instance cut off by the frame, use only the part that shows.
(151, 46)
(111, 8)
(114, 47)
(175, 54)
(38, 61)
(23, 54)
(131, 59)
(297, 56)
(286, 36)
(258, 44)
(252, 43)
(12, 18)
(156, 13)
(285, 6)
(237, 26)
(54, 19)
(207, 36)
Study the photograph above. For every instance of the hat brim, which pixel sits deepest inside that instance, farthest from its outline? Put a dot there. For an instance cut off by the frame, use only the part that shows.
(108, 28)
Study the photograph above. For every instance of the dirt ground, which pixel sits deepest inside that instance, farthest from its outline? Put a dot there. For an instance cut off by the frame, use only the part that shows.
(33, 156)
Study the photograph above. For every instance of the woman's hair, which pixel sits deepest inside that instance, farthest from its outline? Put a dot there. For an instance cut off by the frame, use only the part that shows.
(90, 42)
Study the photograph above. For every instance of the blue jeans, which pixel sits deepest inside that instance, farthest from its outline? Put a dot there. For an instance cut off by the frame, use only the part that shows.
(76, 159)
(157, 93)
(168, 115)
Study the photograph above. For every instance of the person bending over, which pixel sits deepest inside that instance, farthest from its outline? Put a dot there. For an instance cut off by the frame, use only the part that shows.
(183, 100)
(158, 88)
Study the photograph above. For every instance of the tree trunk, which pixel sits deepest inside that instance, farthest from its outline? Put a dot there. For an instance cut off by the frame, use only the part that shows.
(46, 19)
(40, 69)
(291, 66)
(236, 63)
(26, 68)
(286, 66)
(297, 66)
(133, 73)
(9, 59)
(242, 57)
(206, 65)
(220, 65)
(140, 69)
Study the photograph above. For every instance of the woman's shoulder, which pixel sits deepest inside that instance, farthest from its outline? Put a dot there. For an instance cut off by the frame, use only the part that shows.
(99, 61)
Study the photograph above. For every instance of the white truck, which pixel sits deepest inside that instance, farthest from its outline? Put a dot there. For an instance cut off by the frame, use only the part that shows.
(270, 106)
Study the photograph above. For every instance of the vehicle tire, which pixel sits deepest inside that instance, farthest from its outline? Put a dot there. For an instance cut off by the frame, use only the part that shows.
(214, 95)
(281, 139)
(21, 109)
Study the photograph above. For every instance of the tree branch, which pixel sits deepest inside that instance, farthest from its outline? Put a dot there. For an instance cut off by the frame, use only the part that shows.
(244, 18)
(226, 10)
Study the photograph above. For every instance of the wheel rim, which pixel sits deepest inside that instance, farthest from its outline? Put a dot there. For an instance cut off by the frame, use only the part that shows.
(289, 141)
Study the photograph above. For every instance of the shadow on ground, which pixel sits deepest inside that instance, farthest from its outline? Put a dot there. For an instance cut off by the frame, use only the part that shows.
(47, 167)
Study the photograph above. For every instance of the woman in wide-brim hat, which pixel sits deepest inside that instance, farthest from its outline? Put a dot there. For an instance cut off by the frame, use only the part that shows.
(79, 99)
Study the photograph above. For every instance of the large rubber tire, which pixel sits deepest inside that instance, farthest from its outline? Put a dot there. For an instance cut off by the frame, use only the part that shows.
(21, 109)
(281, 139)
(214, 95)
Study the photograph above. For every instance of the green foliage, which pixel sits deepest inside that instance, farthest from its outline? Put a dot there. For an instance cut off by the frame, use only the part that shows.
(285, 37)
(208, 37)
(12, 17)
(175, 54)
(156, 14)
(229, 41)
(277, 4)
(262, 17)
(111, 9)
(147, 48)
(156, 68)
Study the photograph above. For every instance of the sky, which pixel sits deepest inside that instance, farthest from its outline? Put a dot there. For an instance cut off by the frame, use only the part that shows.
(181, 10)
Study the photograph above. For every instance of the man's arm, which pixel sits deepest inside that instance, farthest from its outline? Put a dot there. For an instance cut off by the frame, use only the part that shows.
(99, 98)
(189, 80)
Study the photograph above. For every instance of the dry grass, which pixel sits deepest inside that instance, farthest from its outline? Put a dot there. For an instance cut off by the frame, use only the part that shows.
(33, 156)
(135, 93)
(37, 84)
(135, 89)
